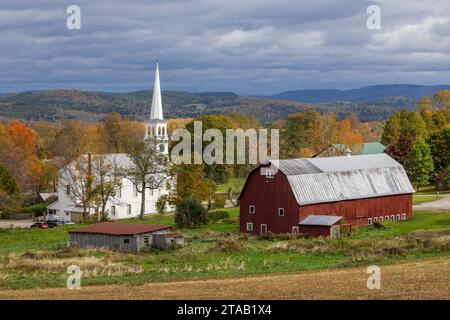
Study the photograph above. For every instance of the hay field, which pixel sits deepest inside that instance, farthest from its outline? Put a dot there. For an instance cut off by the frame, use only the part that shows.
(426, 279)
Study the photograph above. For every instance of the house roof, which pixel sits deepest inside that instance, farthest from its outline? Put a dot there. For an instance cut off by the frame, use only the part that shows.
(373, 148)
(68, 208)
(320, 220)
(319, 180)
(113, 228)
(45, 195)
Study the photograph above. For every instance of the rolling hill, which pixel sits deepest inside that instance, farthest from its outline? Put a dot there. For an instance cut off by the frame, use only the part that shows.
(413, 92)
(370, 103)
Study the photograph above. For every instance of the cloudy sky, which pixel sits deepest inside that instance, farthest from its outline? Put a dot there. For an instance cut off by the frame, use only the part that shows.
(244, 46)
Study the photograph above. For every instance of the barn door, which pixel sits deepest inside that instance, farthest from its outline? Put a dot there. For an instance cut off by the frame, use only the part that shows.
(263, 229)
(335, 232)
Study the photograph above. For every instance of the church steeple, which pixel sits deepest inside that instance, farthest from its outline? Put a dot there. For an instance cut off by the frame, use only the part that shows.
(157, 126)
(156, 111)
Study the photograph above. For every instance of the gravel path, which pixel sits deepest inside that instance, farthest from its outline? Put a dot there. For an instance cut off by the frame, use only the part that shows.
(443, 204)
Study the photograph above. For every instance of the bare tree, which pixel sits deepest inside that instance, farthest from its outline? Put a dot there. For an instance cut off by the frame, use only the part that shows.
(77, 176)
(107, 180)
(150, 168)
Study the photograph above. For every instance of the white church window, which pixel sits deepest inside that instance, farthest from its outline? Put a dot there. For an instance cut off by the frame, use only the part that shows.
(135, 191)
(113, 210)
(68, 189)
(129, 209)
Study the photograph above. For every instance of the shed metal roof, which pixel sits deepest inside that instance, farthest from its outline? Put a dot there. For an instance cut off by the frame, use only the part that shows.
(320, 220)
(113, 228)
(317, 180)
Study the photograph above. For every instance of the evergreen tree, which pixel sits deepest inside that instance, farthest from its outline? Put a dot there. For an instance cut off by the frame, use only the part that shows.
(419, 163)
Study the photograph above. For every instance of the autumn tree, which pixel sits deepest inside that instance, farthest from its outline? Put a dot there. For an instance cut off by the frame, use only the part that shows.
(118, 131)
(191, 182)
(9, 190)
(419, 163)
(220, 173)
(20, 154)
(403, 124)
(296, 134)
(441, 99)
(349, 137)
(400, 149)
(71, 140)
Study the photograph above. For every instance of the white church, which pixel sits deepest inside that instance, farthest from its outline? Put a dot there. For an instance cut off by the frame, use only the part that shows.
(126, 203)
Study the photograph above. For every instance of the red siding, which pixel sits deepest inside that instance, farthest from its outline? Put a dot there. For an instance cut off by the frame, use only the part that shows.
(270, 194)
(316, 230)
(356, 212)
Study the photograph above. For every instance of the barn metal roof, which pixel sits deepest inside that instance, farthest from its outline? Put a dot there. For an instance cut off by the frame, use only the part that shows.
(320, 220)
(113, 228)
(317, 180)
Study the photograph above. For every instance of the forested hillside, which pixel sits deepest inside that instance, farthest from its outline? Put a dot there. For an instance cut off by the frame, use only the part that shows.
(92, 106)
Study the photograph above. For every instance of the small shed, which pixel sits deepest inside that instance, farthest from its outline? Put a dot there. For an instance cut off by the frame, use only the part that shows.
(118, 236)
(167, 240)
(321, 225)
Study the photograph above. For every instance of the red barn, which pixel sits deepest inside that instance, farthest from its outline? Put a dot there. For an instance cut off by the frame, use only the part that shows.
(363, 189)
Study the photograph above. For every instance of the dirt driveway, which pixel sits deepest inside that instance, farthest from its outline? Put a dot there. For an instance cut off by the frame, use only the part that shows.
(4, 224)
(428, 279)
(442, 204)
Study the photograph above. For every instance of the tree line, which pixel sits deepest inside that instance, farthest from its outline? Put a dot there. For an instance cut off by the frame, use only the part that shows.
(32, 153)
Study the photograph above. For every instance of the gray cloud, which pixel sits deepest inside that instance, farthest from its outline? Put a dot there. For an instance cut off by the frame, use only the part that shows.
(249, 47)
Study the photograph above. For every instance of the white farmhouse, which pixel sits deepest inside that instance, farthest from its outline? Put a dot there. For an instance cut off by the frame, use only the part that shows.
(126, 202)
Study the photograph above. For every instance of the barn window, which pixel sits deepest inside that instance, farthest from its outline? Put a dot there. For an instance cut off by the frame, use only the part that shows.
(392, 217)
(126, 241)
(403, 216)
(146, 239)
(68, 189)
(369, 221)
(398, 217)
(381, 218)
(249, 226)
(295, 230)
(386, 218)
(129, 209)
(113, 210)
(375, 219)
(252, 209)
(269, 174)
(281, 212)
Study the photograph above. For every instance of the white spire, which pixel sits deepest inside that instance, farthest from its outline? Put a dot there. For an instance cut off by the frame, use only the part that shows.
(156, 112)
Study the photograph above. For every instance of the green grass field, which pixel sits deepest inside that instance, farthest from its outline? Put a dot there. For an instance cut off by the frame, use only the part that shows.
(234, 183)
(418, 199)
(35, 258)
